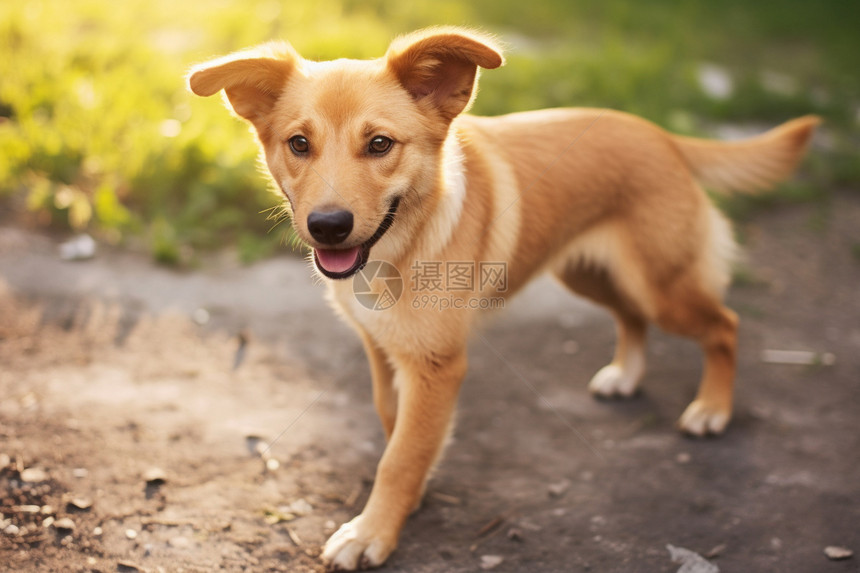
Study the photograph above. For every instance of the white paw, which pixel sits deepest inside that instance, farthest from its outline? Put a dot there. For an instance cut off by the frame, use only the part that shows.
(612, 380)
(700, 419)
(356, 545)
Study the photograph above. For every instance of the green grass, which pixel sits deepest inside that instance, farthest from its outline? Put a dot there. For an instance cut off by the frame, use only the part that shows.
(98, 133)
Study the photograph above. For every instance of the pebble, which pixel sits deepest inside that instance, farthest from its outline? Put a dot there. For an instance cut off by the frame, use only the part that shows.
(837, 553)
(558, 489)
(131, 533)
(201, 316)
(65, 524)
(78, 248)
(154, 476)
(491, 561)
(97, 531)
(34, 475)
(81, 503)
(179, 542)
(11, 529)
(300, 507)
(690, 561)
(80, 473)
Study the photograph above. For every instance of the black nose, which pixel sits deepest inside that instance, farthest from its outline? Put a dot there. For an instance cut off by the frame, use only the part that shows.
(330, 228)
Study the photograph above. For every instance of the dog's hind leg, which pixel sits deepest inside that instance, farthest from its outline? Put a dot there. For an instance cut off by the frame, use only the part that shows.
(619, 378)
(693, 311)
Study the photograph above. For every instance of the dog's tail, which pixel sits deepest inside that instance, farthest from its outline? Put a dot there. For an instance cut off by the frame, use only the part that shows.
(752, 164)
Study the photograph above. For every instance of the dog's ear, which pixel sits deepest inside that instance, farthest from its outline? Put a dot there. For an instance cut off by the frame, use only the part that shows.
(440, 66)
(252, 79)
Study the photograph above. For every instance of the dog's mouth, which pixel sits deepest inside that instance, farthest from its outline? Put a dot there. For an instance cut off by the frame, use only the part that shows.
(343, 263)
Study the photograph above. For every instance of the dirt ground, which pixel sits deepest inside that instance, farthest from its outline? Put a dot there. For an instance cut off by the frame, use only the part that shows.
(124, 415)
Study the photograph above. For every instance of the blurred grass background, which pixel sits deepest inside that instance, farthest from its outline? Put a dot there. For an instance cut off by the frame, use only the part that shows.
(97, 132)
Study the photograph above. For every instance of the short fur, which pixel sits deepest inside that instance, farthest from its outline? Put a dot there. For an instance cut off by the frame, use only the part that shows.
(609, 203)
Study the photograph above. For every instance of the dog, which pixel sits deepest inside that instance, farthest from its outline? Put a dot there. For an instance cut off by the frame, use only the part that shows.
(378, 162)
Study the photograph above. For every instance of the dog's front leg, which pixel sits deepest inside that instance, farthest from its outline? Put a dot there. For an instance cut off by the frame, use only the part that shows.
(384, 393)
(427, 394)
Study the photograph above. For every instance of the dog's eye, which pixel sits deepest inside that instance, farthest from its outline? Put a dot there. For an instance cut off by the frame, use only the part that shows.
(299, 144)
(380, 145)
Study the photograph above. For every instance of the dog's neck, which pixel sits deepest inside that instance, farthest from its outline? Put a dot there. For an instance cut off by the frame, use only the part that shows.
(453, 193)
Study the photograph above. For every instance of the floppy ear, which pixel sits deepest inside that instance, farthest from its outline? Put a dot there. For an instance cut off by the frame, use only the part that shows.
(252, 79)
(440, 66)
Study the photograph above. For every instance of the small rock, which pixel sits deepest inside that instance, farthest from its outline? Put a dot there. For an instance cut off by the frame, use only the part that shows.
(79, 248)
(80, 503)
(256, 445)
(131, 534)
(80, 473)
(27, 508)
(272, 464)
(5, 460)
(11, 530)
(837, 553)
(179, 542)
(690, 561)
(64, 524)
(716, 551)
(127, 567)
(154, 476)
(201, 316)
(776, 543)
(97, 531)
(558, 489)
(48, 521)
(515, 534)
(491, 561)
(299, 507)
(34, 475)
(47, 510)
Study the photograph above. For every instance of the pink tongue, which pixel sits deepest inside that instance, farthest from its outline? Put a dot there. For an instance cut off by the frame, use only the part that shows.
(337, 260)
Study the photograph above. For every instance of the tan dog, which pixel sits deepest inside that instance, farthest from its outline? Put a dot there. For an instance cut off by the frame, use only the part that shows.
(378, 163)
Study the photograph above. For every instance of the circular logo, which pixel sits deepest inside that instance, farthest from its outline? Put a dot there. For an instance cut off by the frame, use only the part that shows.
(377, 286)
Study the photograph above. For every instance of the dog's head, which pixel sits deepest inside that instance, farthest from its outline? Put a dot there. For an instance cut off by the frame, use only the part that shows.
(353, 144)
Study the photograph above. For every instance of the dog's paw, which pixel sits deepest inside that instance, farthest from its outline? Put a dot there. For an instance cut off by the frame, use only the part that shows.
(613, 381)
(701, 418)
(356, 545)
